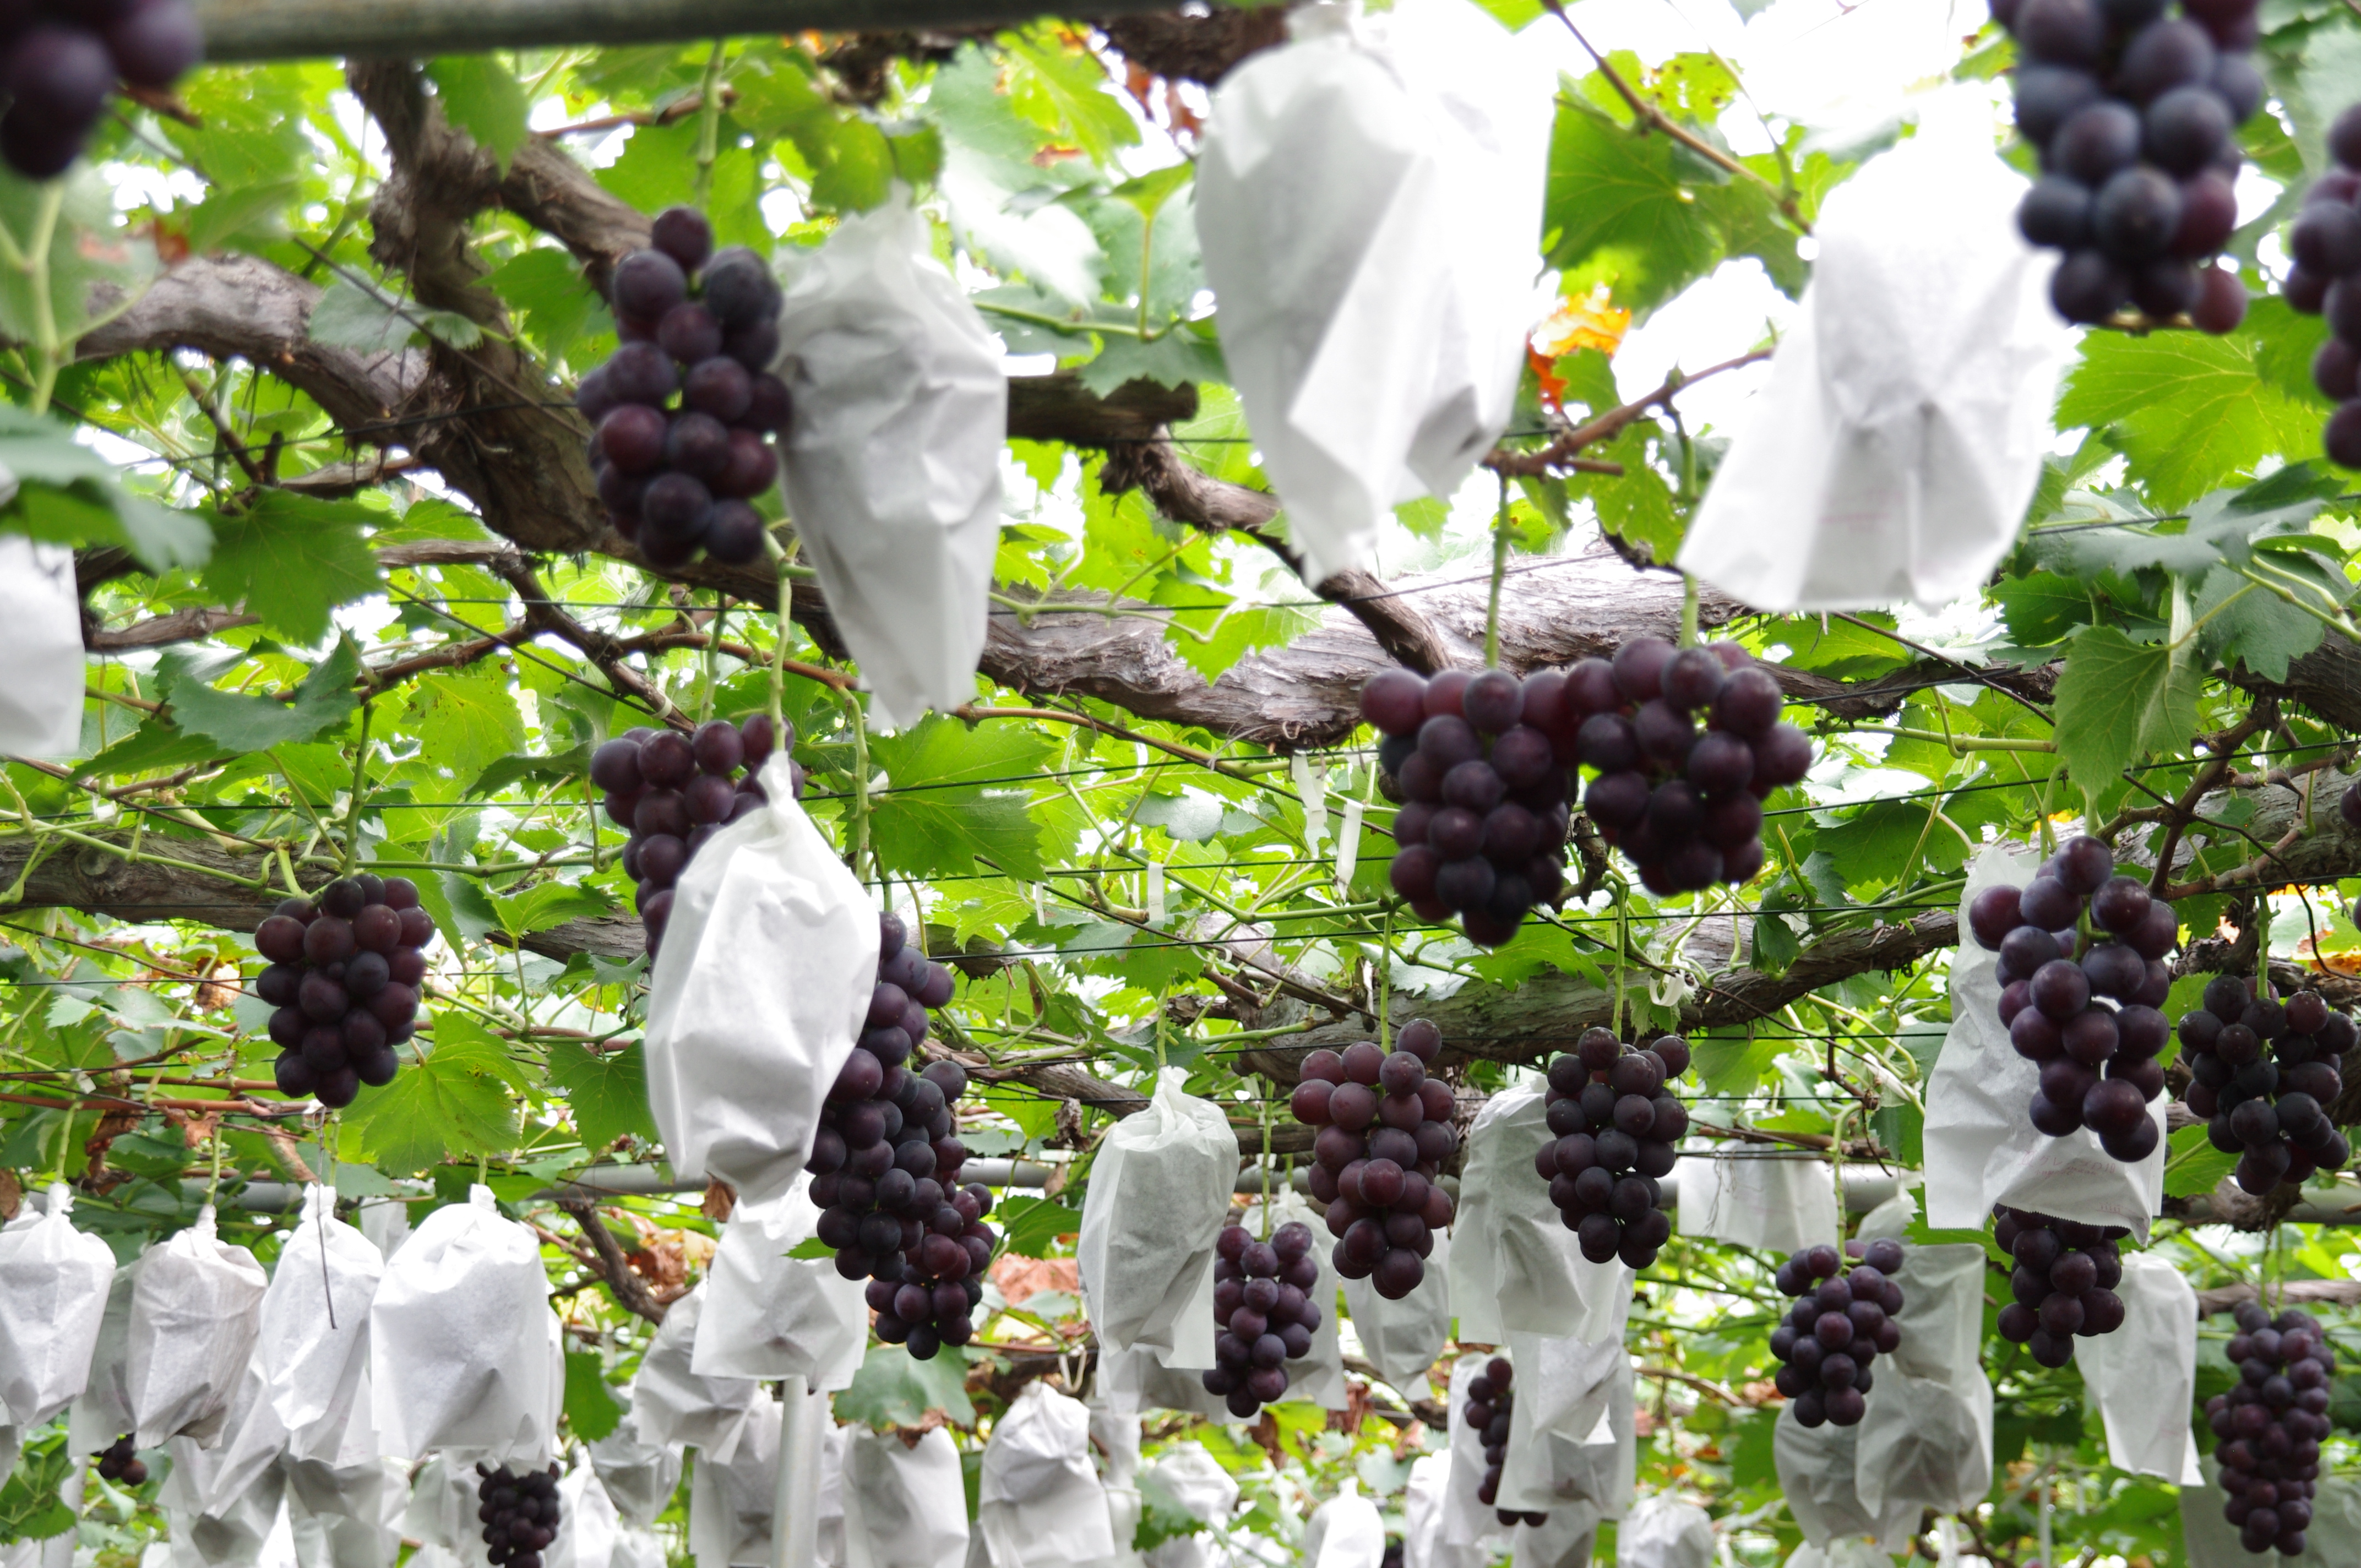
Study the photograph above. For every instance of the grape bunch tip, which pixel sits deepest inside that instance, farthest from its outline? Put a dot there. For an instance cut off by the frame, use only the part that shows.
(1490, 1408)
(2063, 1282)
(2326, 280)
(673, 792)
(2134, 113)
(120, 1462)
(1264, 1314)
(1842, 1321)
(2263, 1073)
(519, 1514)
(2270, 1424)
(344, 979)
(1613, 1123)
(885, 1164)
(700, 324)
(2082, 979)
(1385, 1131)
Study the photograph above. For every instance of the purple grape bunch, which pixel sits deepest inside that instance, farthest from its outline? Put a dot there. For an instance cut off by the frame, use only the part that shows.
(1614, 1123)
(1385, 1131)
(2326, 280)
(2270, 1424)
(2082, 976)
(519, 1514)
(2133, 112)
(702, 325)
(119, 1462)
(671, 792)
(1842, 1319)
(2263, 1073)
(1264, 1315)
(60, 60)
(885, 1164)
(344, 976)
(1490, 1403)
(2063, 1283)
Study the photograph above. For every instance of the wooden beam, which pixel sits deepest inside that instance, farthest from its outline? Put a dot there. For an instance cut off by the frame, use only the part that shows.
(295, 29)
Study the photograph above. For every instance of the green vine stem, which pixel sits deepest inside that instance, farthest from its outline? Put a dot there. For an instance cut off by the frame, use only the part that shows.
(708, 125)
(1499, 570)
(859, 828)
(782, 558)
(360, 796)
(1689, 611)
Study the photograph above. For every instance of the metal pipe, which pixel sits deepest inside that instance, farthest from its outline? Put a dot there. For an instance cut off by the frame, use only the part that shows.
(239, 30)
(803, 1420)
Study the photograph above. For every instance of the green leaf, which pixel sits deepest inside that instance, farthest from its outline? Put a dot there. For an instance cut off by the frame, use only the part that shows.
(482, 99)
(858, 173)
(545, 288)
(591, 1408)
(455, 1101)
(30, 1508)
(2259, 629)
(1187, 353)
(2194, 1165)
(812, 1250)
(1733, 1063)
(893, 1389)
(467, 720)
(291, 559)
(607, 1092)
(1616, 210)
(70, 495)
(1031, 1226)
(2194, 411)
(555, 769)
(939, 813)
(1062, 87)
(2044, 606)
(240, 723)
(351, 315)
(550, 904)
(98, 267)
(2117, 700)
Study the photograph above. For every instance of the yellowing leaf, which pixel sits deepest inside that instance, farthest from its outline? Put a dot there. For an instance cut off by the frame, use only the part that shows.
(1593, 321)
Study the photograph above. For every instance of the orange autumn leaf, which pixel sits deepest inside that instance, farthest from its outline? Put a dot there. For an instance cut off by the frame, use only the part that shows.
(1591, 321)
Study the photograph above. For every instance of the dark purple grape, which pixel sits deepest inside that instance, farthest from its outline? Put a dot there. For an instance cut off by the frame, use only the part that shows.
(718, 387)
(2220, 304)
(2184, 131)
(683, 234)
(647, 283)
(642, 373)
(2055, 212)
(690, 333)
(633, 437)
(154, 43)
(739, 288)
(675, 506)
(2164, 55)
(771, 407)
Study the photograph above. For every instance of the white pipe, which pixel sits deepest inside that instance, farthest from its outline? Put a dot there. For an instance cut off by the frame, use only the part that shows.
(804, 1420)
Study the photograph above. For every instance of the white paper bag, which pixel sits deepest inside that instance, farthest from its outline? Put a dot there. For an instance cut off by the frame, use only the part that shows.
(1040, 1503)
(586, 1522)
(1402, 1338)
(1114, 1439)
(1927, 1439)
(356, 1509)
(464, 1350)
(639, 1475)
(1817, 1474)
(1135, 1380)
(769, 1315)
(248, 1530)
(1469, 1525)
(1424, 1500)
(904, 1507)
(315, 1341)
(1514, 1265)
(2143, 1376)
(1195, 1480)
(1759, 1202)
(101, 1411)
(1368, 204)
(195, 1309)
(1981, 1147)
(1572, 1435)
(53, 1288)
(40, 645)
(671, 1404)
(1891, 455)
(2332, 1541)
(1318, 1377)
(640, 1548)
(1850, 1551)
(251, 1443)
(442, 1512)
(830, 1537)
(1159, 1189)
(891, 462)
(1664, 1532)
(1561, 1541)
(760, 988)
(732, 1501)
(1346, 1531)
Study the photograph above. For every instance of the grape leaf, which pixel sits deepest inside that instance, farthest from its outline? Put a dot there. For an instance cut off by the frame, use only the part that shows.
(291, 559)
(456, 1101)
(483, 99)
(67, 494)
(607, 1091)
(358, 317)
(1616, 210)
(550, 904)
(2194, 1165)
(892, 1389)
(2117, 700)
(938, 812)
(591, 1408)
(466, 719)
(240, 723)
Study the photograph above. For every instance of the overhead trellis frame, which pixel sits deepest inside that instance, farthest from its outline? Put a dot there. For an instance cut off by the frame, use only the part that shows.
(295, 29)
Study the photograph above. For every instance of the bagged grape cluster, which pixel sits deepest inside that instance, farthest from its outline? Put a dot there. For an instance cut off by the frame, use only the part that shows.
(519, 1514)
(120, 1462)
(2270, 1424)
(2133, 111)
(1842, 1319)
(673, 792)
(1385, 1131)
(1490, 1403)
(2063, 1282)
(344, 976)
(60, 60)
(1264, 1315)
(886, 1164)
(2262, 1073)
(1482, 828)
(700, 325)
(2082, 975)
(2326, 280)
(1612, 1114)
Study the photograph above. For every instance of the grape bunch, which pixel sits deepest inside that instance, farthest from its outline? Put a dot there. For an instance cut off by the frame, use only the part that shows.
(1615, 1122)
(519, 1514)
(59, 62)
(676, 479)
(1263, 1312)
(344, 976)
(673, 792)
(2262, 1074)
(120, 1462)
(2064, 1282)
(1490, 1402)
(886, 1163)
(1385, 1131)
(1841, 1321)
(2082, 976)
(2133, 112)
(2270, 1424)
(1482, 828)
(2326, 279)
